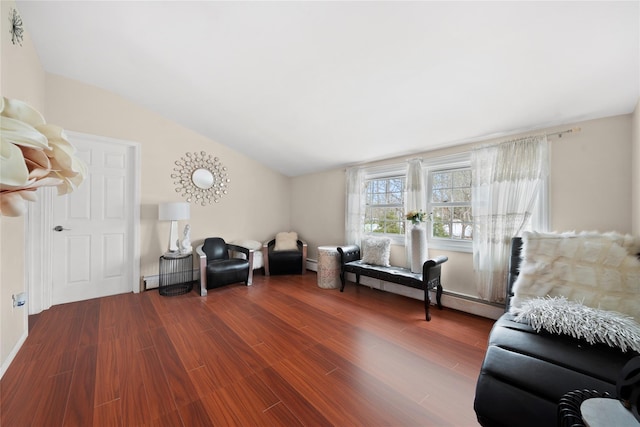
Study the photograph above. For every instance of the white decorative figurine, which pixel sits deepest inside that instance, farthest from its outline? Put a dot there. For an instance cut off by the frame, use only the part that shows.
(185, 246)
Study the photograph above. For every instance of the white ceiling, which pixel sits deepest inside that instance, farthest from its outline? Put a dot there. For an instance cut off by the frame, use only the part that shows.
(309, 86)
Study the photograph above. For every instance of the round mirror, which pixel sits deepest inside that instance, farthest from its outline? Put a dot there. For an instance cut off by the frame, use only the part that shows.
(202, 178)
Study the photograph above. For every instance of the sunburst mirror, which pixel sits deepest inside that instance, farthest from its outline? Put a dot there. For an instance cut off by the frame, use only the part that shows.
(201, 178)
(15, 28)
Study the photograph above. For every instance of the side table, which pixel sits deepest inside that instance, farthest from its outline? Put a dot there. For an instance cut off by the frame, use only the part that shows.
(176, 275)
(328, 267)
(603, 412)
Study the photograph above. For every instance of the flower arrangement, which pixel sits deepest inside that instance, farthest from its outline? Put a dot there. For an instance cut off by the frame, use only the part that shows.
(416, 217)
(34, 154)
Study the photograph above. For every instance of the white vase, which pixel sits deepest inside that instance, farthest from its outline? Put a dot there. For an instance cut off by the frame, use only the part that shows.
(418, 247)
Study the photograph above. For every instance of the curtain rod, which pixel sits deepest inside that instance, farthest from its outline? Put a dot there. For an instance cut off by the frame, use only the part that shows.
(562, 132)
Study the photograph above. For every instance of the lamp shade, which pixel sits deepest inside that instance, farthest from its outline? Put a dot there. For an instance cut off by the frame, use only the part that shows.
(174, 211)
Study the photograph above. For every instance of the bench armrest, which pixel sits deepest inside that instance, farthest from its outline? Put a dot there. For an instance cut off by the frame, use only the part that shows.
(431, 268)
(349, 253)
(436, 261)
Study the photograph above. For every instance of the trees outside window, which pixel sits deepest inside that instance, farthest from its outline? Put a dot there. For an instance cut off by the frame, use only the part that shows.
(384, 213)
(450, 201)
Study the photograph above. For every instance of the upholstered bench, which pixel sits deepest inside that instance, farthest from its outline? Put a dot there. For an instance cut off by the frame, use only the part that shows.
(351, 262)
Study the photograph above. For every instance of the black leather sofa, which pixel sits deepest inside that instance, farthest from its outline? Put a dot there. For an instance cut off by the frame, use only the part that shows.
(525, 374)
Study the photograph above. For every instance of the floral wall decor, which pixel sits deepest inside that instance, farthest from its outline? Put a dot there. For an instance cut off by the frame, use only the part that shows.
(33, 154)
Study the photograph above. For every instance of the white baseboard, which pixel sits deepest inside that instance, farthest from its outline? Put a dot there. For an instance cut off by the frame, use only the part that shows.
(150, 282)
(13, 353)
(465, 303)
(459, 302)
(312, 264)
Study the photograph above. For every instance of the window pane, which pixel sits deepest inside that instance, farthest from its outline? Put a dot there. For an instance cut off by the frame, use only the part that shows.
(441, 229)
(377, 214)
(442, 214)
(385, 200)
(462, 178)
(395, 198)
(441, 179)
(450, 204)
(442, 196)
(456, 230)
(454, 188)
(461, 195)
(462, 213)
(395, 185)
(377, 186)
(468, 231)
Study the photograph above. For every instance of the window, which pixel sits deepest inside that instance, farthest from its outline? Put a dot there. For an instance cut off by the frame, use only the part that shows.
(448, 196)
(384, 212)
(449, 202)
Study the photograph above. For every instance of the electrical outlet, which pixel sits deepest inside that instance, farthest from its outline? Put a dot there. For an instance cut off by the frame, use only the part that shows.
(19, 299)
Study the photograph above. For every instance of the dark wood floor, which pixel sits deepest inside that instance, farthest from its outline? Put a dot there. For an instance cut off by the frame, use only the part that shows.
(282, 352)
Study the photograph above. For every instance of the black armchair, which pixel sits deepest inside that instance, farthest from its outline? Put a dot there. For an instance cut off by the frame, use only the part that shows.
(217, 268)
(289, 261)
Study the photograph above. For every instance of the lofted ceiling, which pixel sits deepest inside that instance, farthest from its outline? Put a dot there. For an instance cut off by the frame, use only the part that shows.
(309, 86)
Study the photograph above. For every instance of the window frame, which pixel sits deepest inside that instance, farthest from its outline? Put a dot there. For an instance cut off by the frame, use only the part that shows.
(386, 172)
(445, 163)
(540, 219)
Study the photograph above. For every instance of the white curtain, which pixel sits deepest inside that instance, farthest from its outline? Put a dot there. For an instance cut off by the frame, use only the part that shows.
(506, 179)
(415, 199)
(355, 206)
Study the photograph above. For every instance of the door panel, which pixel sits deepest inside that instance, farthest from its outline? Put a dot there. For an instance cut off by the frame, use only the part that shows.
(90, 254)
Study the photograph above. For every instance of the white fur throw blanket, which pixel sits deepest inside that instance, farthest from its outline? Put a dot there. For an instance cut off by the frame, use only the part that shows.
(560, 316)
(601, 271)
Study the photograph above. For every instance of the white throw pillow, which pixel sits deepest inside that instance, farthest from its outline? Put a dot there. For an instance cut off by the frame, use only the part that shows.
(561, 316)
(598, 270)
(286, 241)
(376, 251)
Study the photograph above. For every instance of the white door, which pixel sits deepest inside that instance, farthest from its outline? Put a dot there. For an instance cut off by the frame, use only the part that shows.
(92, 242)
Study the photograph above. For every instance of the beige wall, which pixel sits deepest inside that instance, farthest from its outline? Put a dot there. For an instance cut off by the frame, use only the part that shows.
(591, 177)
(22, 77)
(258, 203)
(257, 206)
(635, 171)
(590, 190)
(317, 210)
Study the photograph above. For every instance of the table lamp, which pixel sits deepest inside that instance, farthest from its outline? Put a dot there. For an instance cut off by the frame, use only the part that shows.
(173, 212)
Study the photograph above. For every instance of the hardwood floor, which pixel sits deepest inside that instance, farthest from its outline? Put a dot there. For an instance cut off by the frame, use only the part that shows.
(282, 352)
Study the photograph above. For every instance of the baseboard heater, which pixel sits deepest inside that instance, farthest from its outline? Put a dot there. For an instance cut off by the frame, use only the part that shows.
(453, 300)
(153, 281)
